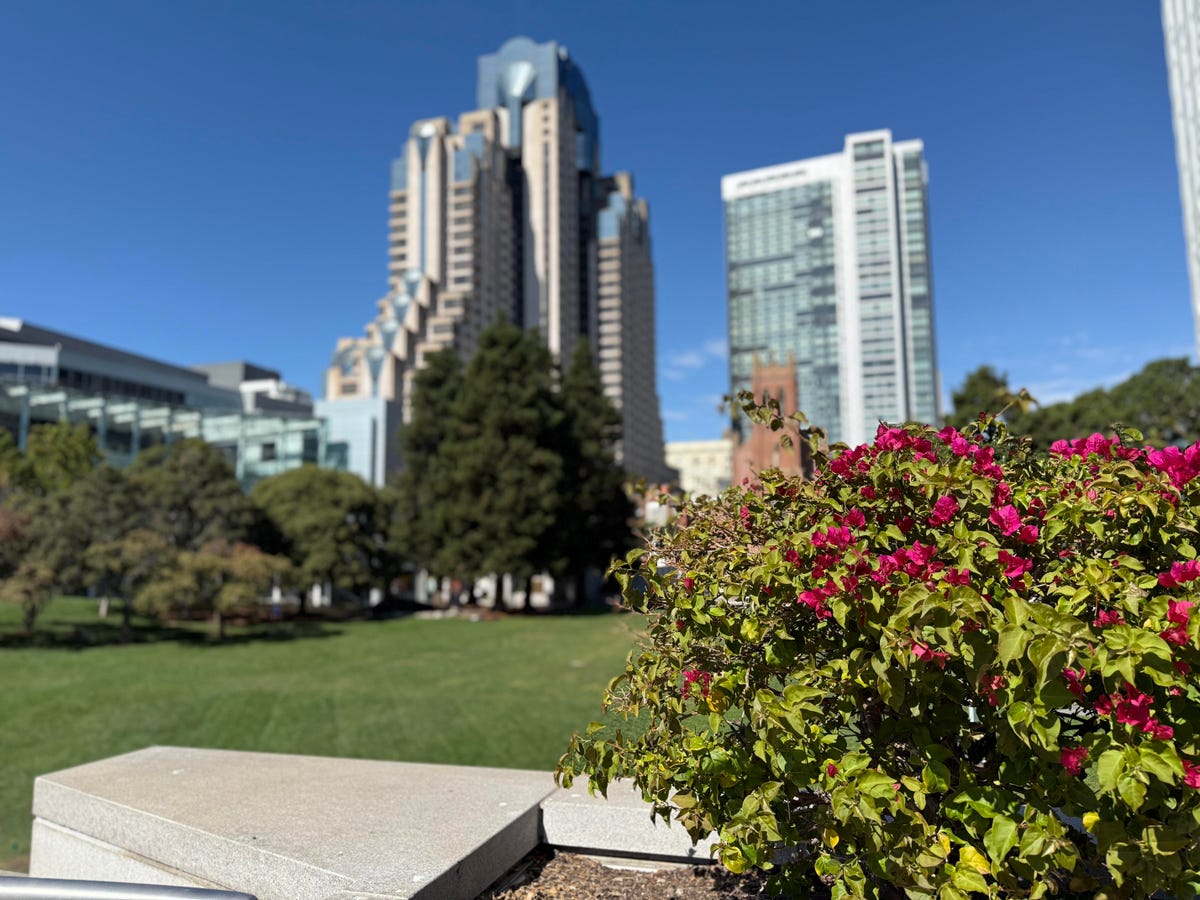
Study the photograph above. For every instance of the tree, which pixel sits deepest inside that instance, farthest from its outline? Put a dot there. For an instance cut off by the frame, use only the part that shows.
(190, 493)
(502, 463)
(334, 525)
(984, 390)
(31, 586)
(1162, 401)
(219, 578)
(122, 567)
(598, 510)
(422, 485)
(56, 456)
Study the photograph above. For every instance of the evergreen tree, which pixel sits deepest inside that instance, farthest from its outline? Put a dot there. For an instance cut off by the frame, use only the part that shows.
(502, 463)
(422, 486)
(598, 510)
(334, 526)
(191, 494)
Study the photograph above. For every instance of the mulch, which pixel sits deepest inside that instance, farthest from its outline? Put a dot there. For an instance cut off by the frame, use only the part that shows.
(548, 874)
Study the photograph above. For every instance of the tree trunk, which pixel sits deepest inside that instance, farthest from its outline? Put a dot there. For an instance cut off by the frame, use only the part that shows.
(219, 624)
(127, 621)
(528, 593)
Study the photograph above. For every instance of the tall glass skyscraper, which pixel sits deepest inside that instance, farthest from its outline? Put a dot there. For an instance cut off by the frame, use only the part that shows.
(827, 263)
(507, 212)
(1181, 29)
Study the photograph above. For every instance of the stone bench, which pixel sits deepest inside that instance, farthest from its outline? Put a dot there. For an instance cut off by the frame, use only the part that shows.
(314, 828)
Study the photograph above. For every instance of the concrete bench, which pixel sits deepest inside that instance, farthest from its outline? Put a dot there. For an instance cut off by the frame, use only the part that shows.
(286, 827)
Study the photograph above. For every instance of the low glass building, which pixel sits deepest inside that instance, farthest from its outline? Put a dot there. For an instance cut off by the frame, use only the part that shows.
(132, 402)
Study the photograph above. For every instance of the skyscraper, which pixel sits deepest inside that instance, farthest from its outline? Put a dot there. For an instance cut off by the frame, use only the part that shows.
(507, 212)
(827, 261)
(1181, 29)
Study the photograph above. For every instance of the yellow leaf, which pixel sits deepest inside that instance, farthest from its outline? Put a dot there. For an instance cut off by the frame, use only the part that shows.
(944, 841)
(974, 859)
(830, 837)
(1090, 819)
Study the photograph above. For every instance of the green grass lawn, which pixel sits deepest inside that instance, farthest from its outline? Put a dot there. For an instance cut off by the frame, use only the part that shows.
(503, 693)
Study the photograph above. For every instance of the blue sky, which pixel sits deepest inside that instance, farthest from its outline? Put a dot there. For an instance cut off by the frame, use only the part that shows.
(202, 181)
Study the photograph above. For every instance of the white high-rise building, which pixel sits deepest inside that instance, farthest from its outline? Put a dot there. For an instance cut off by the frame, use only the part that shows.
(827, 264)
(1181, 30)
(506, 212)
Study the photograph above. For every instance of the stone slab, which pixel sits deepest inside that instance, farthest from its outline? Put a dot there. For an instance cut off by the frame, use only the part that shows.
(620, 825)
(290, 827)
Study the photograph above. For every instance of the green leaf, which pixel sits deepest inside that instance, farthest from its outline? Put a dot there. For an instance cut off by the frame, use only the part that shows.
(1000, 838)
(968, 879)
(1012, 643)
(1132, 791)
(1108, 769)
(936, 777)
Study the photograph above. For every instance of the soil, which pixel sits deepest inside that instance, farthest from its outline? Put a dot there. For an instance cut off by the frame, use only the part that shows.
(548, 874)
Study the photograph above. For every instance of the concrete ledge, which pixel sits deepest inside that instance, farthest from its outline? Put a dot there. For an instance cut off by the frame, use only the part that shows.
(290, 827)
(620, 825)
(312, 828)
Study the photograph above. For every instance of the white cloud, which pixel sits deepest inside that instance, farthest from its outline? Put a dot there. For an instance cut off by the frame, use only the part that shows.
(680, 365)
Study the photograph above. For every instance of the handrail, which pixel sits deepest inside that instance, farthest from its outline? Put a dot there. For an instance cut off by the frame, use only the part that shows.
(20, 888)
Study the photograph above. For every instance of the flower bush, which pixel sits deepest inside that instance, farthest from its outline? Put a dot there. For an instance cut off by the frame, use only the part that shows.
(945, 666)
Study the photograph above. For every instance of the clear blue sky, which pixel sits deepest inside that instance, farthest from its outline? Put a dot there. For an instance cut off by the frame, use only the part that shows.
(202, 181)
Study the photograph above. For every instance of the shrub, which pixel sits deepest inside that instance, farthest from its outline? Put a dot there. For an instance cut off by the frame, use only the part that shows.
(945, 666)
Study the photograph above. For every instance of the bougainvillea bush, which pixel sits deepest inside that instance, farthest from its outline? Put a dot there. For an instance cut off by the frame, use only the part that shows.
(946, 666)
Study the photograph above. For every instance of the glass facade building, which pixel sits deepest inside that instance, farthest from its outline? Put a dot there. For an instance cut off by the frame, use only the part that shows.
(827, 264)
(1181, 31)
(506, 211)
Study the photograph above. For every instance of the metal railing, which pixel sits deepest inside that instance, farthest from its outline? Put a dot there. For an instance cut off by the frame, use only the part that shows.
(66, 889)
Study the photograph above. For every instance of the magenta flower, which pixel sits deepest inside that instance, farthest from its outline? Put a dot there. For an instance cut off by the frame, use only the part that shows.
(854, 518)
(1074, 678)
(1176, 634)
(831, 770)
(1028, 534)
(957, 576)
(927, 654)
(1106, 617)
(1191, 774)
(1179, 610)
(1014, 566)
(1072, 759)
(943, 510)
(1006, 518)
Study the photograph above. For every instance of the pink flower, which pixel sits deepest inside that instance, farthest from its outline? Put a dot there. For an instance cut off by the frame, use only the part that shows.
(1002, 494)
(688, 584)
(744, 512)
(1180, 573)
(691, 676)
(1060, 448)
(959, 446)
(1074, 679)
(792, 556)
(1134, 708)
(1072, 759)
(1191, 774)
(868, 492)
(943, 510)
(854, 518)
(989, 684)
(927, 654)
(957, 576)
(1106, 617)
(1176, 634)
(887, 568)
(1006, 518)
(1178, 611)
(1158, 731)
(1014, 566)
(1104, 705)
(831, 770)
(1028, 534)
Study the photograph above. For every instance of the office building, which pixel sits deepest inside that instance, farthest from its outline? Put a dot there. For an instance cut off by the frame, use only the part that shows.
(827, 263)
(704, 467)
(262, 425)
(1181, 30)
(506, 212)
